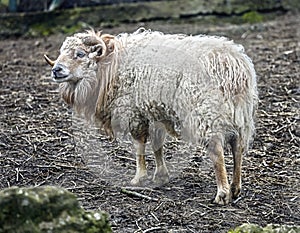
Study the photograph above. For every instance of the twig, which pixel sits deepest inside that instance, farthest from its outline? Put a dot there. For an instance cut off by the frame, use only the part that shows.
(136, 188)
(17, 171)
(137, 224)
(154, 216)
(124, 157)
(152, 229)
(136, 194)
(237, 200)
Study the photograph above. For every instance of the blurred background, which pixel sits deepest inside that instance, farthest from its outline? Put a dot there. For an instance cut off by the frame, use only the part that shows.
(45, 5)
(44, 17)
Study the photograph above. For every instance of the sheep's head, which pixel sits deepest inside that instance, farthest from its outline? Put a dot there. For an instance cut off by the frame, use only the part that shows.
(80, 55)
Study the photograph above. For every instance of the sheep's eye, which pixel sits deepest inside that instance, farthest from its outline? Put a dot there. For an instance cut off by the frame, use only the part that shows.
(80, 53)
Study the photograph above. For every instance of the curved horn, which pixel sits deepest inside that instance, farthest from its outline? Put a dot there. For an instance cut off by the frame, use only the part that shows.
(48, 60)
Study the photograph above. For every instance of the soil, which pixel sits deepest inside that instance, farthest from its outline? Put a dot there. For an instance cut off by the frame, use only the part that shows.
(41, 143)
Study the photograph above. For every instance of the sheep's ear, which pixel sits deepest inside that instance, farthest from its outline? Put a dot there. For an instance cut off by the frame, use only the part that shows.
(109, 42)
(98, 51)
(103, 48)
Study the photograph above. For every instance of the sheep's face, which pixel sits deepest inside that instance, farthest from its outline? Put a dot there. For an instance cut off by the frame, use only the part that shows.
(79, 57)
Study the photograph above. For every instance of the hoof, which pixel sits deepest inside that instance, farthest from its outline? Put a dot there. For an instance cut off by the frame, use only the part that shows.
(137, 180)
(223, 197)
(161, 180)
(161, 177)
(235, 191)
(134, 181)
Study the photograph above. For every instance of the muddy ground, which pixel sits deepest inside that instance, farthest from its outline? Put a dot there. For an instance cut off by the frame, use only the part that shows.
(41, 143)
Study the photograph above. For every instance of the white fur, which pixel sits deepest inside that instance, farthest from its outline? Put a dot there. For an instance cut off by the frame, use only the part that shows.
(204, 85)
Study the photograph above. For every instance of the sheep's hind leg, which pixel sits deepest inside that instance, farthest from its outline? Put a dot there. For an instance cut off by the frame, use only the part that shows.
(161, 175)
(237, 151)
(141, 170)
(216, 153)
(158, 135)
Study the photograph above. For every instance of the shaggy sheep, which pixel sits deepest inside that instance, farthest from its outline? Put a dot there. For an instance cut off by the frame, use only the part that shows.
(201, 88)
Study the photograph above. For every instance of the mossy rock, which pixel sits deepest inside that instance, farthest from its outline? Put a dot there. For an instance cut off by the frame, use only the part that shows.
(271, 228)
(47, 209)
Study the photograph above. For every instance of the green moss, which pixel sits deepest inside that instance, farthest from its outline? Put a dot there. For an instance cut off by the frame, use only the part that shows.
(271, 228)
(5, 2)
(39, 29)
(45, 29)
(252, 17)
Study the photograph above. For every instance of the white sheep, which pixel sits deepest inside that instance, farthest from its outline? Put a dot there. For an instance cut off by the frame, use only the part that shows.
(201, 88)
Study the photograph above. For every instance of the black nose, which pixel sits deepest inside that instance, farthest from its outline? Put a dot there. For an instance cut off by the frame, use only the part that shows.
(56, 69)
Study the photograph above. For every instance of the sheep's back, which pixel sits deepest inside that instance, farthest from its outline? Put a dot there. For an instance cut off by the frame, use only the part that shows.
(205, 85)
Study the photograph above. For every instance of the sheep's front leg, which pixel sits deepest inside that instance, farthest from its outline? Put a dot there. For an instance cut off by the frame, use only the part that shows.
(141, 170)
(158, 135)
(216, 153)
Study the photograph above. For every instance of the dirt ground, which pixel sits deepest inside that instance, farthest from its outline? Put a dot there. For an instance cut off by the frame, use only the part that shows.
(40, 143)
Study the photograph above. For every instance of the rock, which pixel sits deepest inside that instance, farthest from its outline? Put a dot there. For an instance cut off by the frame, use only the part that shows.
(47, 209)
(271, 228)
